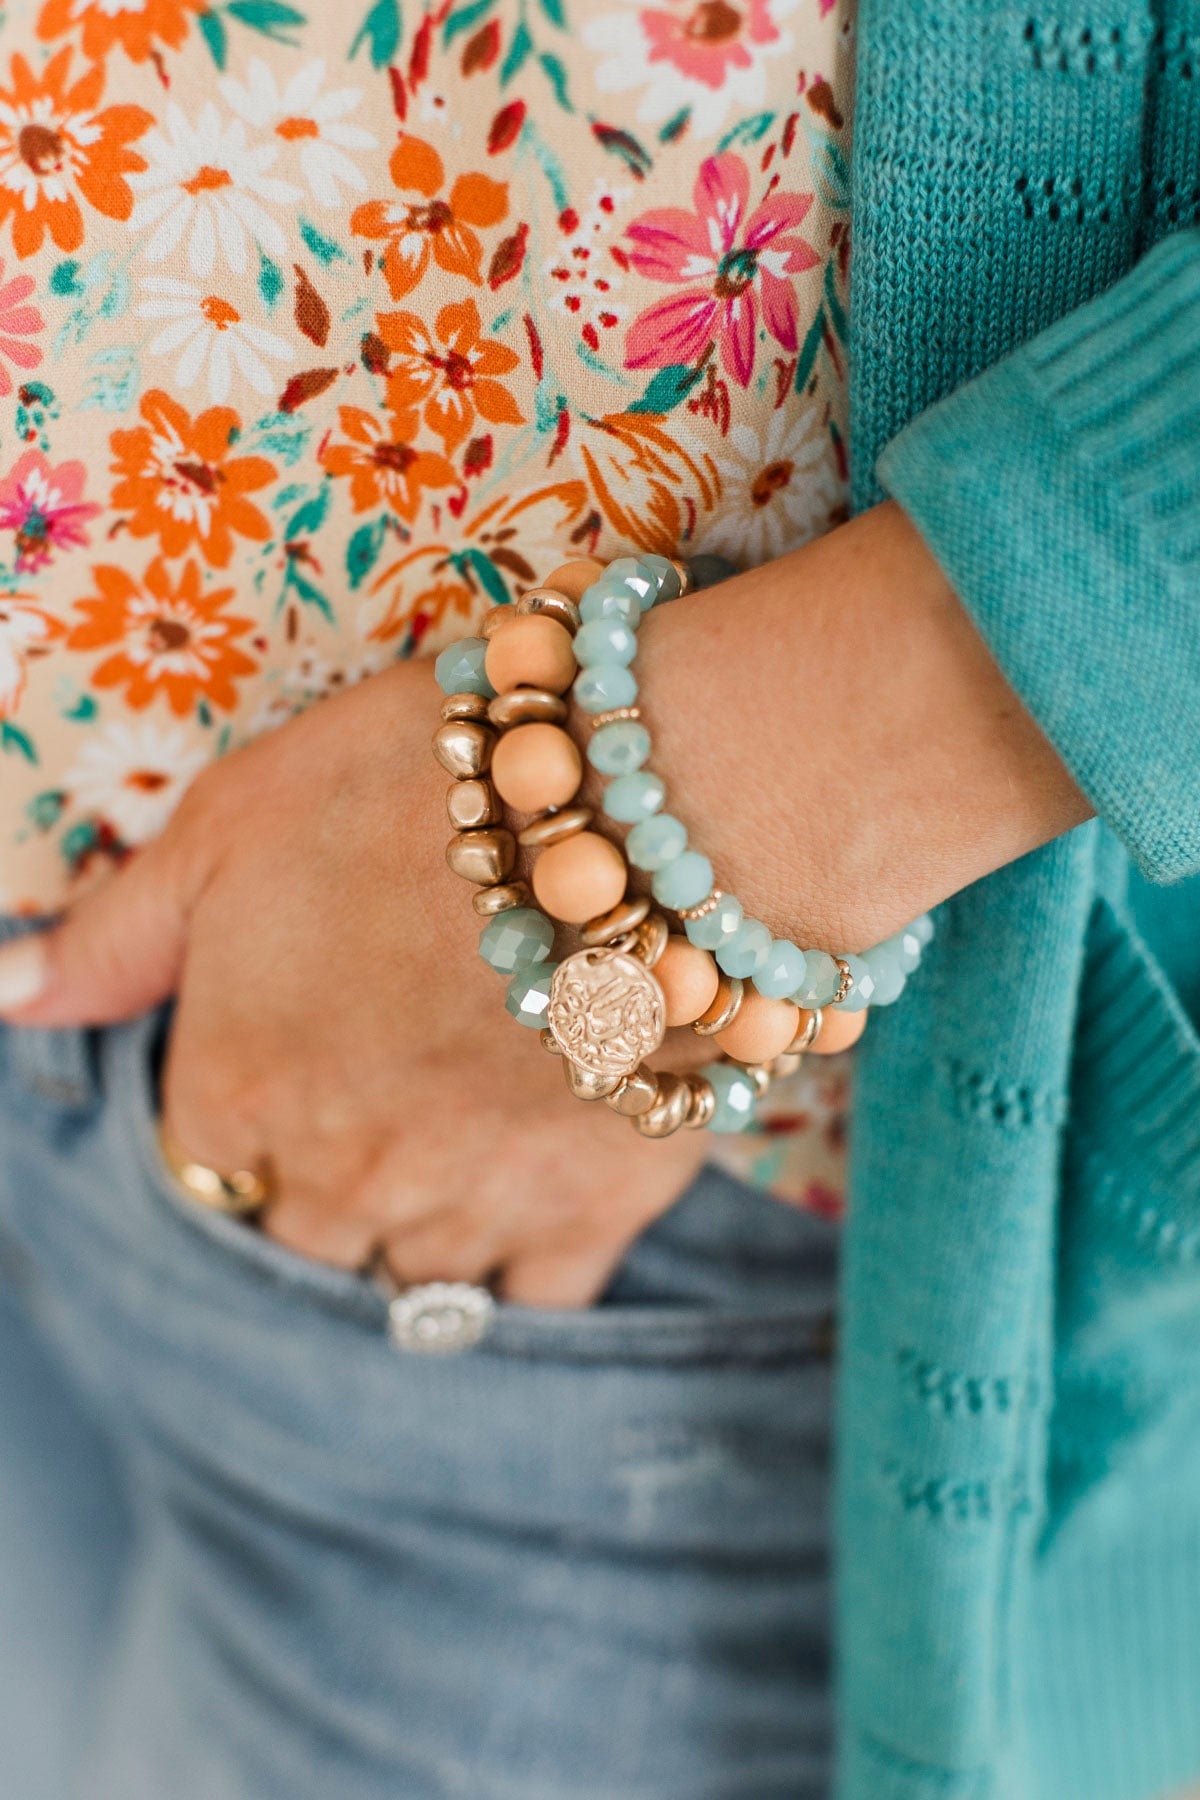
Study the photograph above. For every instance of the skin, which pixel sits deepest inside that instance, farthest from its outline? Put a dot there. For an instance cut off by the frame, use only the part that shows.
(332, 1016)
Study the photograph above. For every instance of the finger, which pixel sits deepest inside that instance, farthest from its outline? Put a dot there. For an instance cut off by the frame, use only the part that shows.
(564, 1279)
(447, 1247)
(117, 952)
(326, 1233)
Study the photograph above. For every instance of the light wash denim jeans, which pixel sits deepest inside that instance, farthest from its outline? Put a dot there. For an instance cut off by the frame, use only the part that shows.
(251, 1551)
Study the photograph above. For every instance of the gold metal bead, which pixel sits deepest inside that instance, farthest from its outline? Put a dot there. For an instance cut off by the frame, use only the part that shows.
(845, 980)
(492, 900)
(464, 706)
(486, 857)
(636, 1094)
(705, 907)
(549, 1042)
(586, 1086)
(463, 747)
(614, 716)
(470, 804)
(684, 572)
(759, 1074)
(703, 1103)
(493, 620)
(553, 827)
(626, 916)
(806, 1037)
(553, 604)
(785, 1065)
(670, 1110)
(527, 706)
(651, 936)
(728, 1013)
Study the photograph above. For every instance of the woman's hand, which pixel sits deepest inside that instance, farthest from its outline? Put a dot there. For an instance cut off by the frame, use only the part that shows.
(334, 1018)
(830, 725)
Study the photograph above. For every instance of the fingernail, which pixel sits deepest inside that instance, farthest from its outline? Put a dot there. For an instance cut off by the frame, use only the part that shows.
(22, 973)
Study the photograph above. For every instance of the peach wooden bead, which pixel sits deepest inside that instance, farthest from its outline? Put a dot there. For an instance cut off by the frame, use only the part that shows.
(763, 1028)
(575, 577)
(578, 878)
(530, 650)
(536, 766)
(838, 1031)
(688, 977)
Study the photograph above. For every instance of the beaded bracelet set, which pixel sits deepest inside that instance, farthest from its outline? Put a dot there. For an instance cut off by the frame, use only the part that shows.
(605, 1008)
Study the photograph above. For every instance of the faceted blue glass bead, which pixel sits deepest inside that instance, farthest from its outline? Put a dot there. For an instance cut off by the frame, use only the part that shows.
(862, 987)
(782, 972)
(716, 927)
(822, 978)
(669, 584)
(528, 996)
(633, 797)
(605, 685)
(611, 598)
(637, 575)
(747, 950)
(516, 938)
(735, 1097)
(605, 641)
(459, 669)
(656, 842)
(685, 881)
(907, 946)
(884, 963)
(619, 748)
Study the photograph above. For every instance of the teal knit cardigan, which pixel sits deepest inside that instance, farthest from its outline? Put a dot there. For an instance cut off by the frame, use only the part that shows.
(1019, 1481)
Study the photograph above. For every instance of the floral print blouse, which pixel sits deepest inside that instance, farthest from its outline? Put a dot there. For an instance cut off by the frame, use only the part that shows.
(324, 328)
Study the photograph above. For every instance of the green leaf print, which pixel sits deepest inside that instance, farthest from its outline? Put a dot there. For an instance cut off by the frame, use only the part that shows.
(310, 595)
(667, 388)
(311, 515)
(271, 17)
(837, 313)
(270, 278)
(748, 131)
(325, 249)
(14, 740)
(380, 31)
(558, 78)
(463, 19)
(518, 53)
(808, 351)
(362, 552)
(491, 580)
(46, 809)
(554, 12)
(212, 30)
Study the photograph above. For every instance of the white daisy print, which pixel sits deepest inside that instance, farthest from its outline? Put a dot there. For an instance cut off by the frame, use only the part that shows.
(211, 338)
(208, 188)
(133, 774)
(312, 122)
(779, 488)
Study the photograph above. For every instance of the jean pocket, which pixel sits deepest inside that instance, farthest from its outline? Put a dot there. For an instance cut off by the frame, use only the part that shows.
(771, 1304)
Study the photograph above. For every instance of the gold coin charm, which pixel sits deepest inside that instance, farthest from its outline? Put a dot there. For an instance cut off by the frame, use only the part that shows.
(606, 1011)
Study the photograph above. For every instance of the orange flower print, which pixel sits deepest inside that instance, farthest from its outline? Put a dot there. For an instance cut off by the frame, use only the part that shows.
(27, 630)
(383, 469)
(56, 149)
(168, 638)
(419, 225)
(142, 28)
(450, 378)
(178, 482)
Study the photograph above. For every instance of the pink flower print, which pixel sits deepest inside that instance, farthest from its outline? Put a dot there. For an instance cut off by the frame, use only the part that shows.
(45, 507)
(18, 323)
(710, 40)
(733, 263)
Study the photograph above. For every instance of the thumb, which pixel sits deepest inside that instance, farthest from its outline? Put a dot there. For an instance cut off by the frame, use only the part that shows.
(118, 952)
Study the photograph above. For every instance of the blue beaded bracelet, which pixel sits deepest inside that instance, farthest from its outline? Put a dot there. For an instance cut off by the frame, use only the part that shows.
(681, 877)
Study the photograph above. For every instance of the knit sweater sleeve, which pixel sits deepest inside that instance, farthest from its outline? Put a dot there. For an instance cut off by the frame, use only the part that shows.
(1060, 492)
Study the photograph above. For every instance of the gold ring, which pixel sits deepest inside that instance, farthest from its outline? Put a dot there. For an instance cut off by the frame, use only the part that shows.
(243, 1192)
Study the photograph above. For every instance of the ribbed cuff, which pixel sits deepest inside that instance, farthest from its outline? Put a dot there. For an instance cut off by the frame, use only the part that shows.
(1060, 492)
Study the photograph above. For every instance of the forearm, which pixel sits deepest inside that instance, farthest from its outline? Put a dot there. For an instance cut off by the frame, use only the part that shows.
(837, 737)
